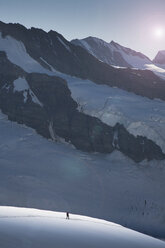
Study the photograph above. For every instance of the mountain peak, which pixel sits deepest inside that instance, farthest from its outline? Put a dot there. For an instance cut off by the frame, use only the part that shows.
(113, 53)
(160, 58)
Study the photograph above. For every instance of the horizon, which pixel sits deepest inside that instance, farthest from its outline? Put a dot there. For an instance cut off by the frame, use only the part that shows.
(106, 20)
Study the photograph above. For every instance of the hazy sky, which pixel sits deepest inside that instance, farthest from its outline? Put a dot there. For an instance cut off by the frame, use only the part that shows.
(138, 24)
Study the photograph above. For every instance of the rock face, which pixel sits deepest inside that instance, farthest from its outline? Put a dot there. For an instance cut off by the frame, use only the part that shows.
(52, 50)
(137, 147)
(44, 103)
(160, 59)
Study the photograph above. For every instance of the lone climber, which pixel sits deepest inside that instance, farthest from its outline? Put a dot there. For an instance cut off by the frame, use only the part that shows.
(67, 215)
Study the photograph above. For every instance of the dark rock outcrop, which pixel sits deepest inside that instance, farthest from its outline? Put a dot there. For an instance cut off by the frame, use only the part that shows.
(138, 148)
(55, 114)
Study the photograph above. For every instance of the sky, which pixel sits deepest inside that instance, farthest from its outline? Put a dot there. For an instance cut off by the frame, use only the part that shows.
(139, 25)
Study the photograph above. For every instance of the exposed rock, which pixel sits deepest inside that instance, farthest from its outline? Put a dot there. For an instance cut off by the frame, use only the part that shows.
(160, 58)
(138, 147)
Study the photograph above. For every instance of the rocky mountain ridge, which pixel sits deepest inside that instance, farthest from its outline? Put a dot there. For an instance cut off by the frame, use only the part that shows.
(53, 51)
(113, 53)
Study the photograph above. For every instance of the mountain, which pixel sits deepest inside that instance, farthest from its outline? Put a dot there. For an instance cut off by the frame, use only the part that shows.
(34, 91)
(118, 56)
(160, 59)
(32, 49)
(100, 149)
(44, 103)
(112, 53)
(50, 229)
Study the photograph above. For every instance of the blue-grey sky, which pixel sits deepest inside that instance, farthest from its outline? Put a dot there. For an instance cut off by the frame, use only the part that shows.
(138, 24)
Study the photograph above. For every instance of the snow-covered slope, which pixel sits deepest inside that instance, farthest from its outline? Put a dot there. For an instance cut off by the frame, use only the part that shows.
(39, 173)
(21, 227)
(119, 56)
(17, 54)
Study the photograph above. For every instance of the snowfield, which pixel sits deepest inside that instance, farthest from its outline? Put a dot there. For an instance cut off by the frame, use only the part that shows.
(21, 227)
(39, 173)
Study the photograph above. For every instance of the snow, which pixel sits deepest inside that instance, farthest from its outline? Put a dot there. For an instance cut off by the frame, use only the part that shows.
(160, 72)
(39, 173)
(138, 62)
(161, 65)
(21, 85)
(119, 67)
(37, 228)
(17, 54)
(134, 61)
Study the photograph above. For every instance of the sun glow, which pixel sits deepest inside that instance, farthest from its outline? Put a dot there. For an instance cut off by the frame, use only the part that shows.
(159, 32)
